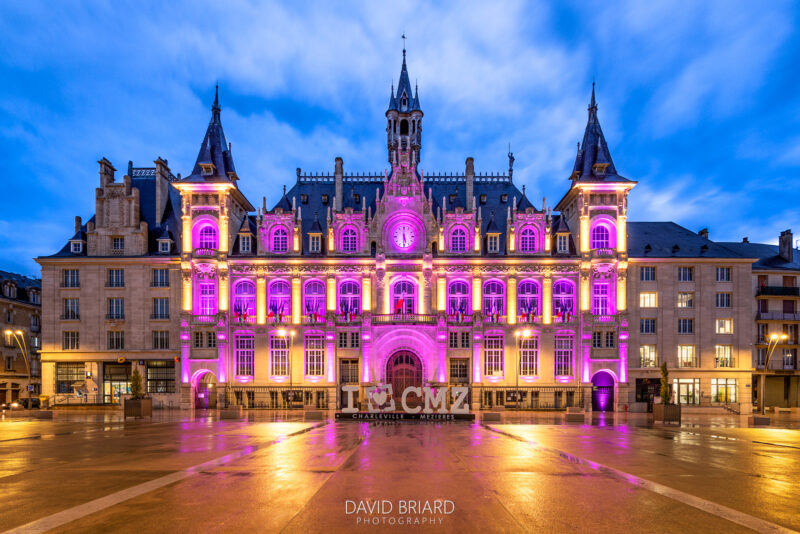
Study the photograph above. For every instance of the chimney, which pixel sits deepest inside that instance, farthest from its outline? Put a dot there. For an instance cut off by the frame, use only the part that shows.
(703, 233)
(78, 223)
(469, 173)
(745, 240)
(338, 176)
(106, 172)
(162, 189)
(785, 243)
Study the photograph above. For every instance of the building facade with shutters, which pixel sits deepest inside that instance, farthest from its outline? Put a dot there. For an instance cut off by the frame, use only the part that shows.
(401, 278)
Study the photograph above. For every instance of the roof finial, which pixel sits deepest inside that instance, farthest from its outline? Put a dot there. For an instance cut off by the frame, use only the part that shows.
(593, 105)
(284, 190)
(216, 107)
(404, 46)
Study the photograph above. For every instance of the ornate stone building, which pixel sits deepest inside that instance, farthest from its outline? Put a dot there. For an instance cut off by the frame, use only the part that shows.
(401, 277)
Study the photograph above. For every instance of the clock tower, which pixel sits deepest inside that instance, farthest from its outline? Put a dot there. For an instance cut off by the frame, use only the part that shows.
(404, 122)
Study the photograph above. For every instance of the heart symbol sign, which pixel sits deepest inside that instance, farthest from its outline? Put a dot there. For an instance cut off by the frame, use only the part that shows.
(379, 397)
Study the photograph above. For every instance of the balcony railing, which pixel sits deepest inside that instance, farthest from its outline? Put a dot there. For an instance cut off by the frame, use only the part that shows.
(243, 319)
(115, 316)
(604, 319)
(205, 353)
(159, 316)
(319, 319)
(647, 363)
(463, 319)
(70, 316)
(688, 362)
(500, 319)
(602, 252)
(205, 252)
(778, 291)
(778, 316)
(204, 319)
(343, 319)
(404, 318)
(724, 362)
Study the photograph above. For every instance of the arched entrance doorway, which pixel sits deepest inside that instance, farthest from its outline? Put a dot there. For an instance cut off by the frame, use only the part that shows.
(205, 391)
(603, 392)
(404, 369)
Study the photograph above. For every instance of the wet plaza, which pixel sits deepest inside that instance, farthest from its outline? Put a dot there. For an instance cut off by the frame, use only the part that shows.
(181, 472)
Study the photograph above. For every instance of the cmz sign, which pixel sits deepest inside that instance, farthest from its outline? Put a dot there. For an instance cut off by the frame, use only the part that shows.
(427, 402)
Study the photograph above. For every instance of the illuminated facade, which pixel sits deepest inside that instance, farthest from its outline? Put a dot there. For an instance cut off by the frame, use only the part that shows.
(402, 277)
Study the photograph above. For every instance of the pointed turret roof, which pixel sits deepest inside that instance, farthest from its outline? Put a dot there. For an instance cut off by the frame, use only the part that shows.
(214, 161)
(491, 227)
(316, 227)
(404, 87)
(593, 161)
(283, 203)
(524, 203)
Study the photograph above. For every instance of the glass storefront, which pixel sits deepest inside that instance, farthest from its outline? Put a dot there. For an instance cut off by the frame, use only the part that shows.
(116, 381)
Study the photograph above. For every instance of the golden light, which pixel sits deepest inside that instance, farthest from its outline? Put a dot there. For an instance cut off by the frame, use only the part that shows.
(296, 300)
(774, 337)
(261, 300)
(526, 333)
(19, 333)
(282, 332)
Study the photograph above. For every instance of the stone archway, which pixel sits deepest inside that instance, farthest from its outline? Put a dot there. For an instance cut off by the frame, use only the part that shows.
(205, 391)
(603, 392)
(404, 369)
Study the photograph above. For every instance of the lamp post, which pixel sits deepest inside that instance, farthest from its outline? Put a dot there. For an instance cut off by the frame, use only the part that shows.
(762, 383)
(18, 336)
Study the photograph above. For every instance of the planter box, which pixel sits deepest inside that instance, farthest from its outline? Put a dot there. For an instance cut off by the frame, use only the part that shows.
(139, 408)
(667, 413)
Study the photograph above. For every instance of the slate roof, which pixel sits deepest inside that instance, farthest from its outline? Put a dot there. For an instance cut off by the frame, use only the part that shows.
(669, 240)
(768, 256)
(215, 150)
(404, 86)
(24, 285)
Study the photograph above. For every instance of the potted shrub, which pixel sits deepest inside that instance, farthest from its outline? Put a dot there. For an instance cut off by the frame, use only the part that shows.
(138, 405)
(666, 411)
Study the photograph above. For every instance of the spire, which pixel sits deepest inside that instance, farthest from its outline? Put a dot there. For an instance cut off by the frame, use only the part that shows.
(593, 160)
(214, 161)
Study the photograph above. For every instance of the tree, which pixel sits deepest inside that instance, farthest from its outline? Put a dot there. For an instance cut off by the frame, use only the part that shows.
(665, 396)
(137, 392)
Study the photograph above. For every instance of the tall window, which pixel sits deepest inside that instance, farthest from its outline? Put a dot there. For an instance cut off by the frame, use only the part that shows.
(723, 356)
(600, 299)
(458, 298)
(208, 298)
(686, 357)
(528, 300)
(278, 356)
(161, 308)
(724, 300)
(70, 341)
(160, 278)
(648, 299)
(527, 240)
(349, 240)
(315, 243)
(529, 356)
(160, 339)
(315, 354)
(723, 390)
(563, 349)
(280, 240)
(245, 355)
(647, 356)
(562, 244)
(493, 355)
(116, 278)
(403, 292)
(647, 274)
(244, 299)
(493, 243)
(280, 299)
(314, 300)
(207, 237)
(647, 326)
(685, 274)
(601, 237)
(723, 274)
(116, 340)
(72, 309)
(686, 326)
(458, 240)
(349, 298)
(563, 299)
(116, 308)
(245, 244)
(493, 299)
(686, 300)
(724, 326)
(71, 278)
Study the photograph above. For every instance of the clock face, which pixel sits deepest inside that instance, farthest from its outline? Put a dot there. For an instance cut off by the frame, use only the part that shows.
(404, 236)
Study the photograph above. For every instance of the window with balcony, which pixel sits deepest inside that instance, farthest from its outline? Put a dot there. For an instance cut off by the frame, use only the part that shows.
(647, 274)
(160, 277)
(724, 326)
(244, 354)
(278, 355)
(723, 300)
(279, 304)
(563, 300)
(686, 300)
(493, 299)
(244, 299)
(116, 308)
(493, 355)
(161, 308)
(686, 326)
(314, 300)
(116, 278)
(70, 278)
(564, 348)
(686, 356)
(528, 241)
(349, 240)
(601, 237)
(723, 274)
(529, 356)
(724, 356)
(350, 298)
(72, 310)
(685, 274)
(207, 238)
(207, 304)
(528, 301)
(458, 240)
(458, 298)
(315, 354)
(647, 356)
(160, 339)
(403, 295)
(600, 298)
(648, 299)
(280, 240)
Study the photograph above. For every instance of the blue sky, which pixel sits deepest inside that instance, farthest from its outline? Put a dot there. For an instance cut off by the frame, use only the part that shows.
(699, 101)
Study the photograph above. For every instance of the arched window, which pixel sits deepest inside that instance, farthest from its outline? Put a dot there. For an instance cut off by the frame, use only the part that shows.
(244, 299)
(527, 240)
(207, 237)
(349, 240)
(280, 240)
(563, 300)
(280, 300)
(349, 298)
(528, 300)
(404, 292)
(493, 299)
(404, 122)
(458, 298)
(601, 237)
(314, 300)
(458, 240)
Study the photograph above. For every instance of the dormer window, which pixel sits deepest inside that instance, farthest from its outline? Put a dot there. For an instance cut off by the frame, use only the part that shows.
(562, 244)
(356, 198)
(245, 244)
(599, 169)
(503, 198)
(324, 199)
(493, 243)
(452, 199)
(117, 245)
(164, 246)
(483, 199)
(208, 169)
(76, 247)
(315, 243)
(304, 199)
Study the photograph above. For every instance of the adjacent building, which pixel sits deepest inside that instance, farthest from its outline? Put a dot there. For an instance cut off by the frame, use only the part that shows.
(20, 306)
(402, 277)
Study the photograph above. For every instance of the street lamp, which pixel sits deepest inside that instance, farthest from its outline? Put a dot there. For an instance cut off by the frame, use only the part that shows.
(762, 384)
(19, 337)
